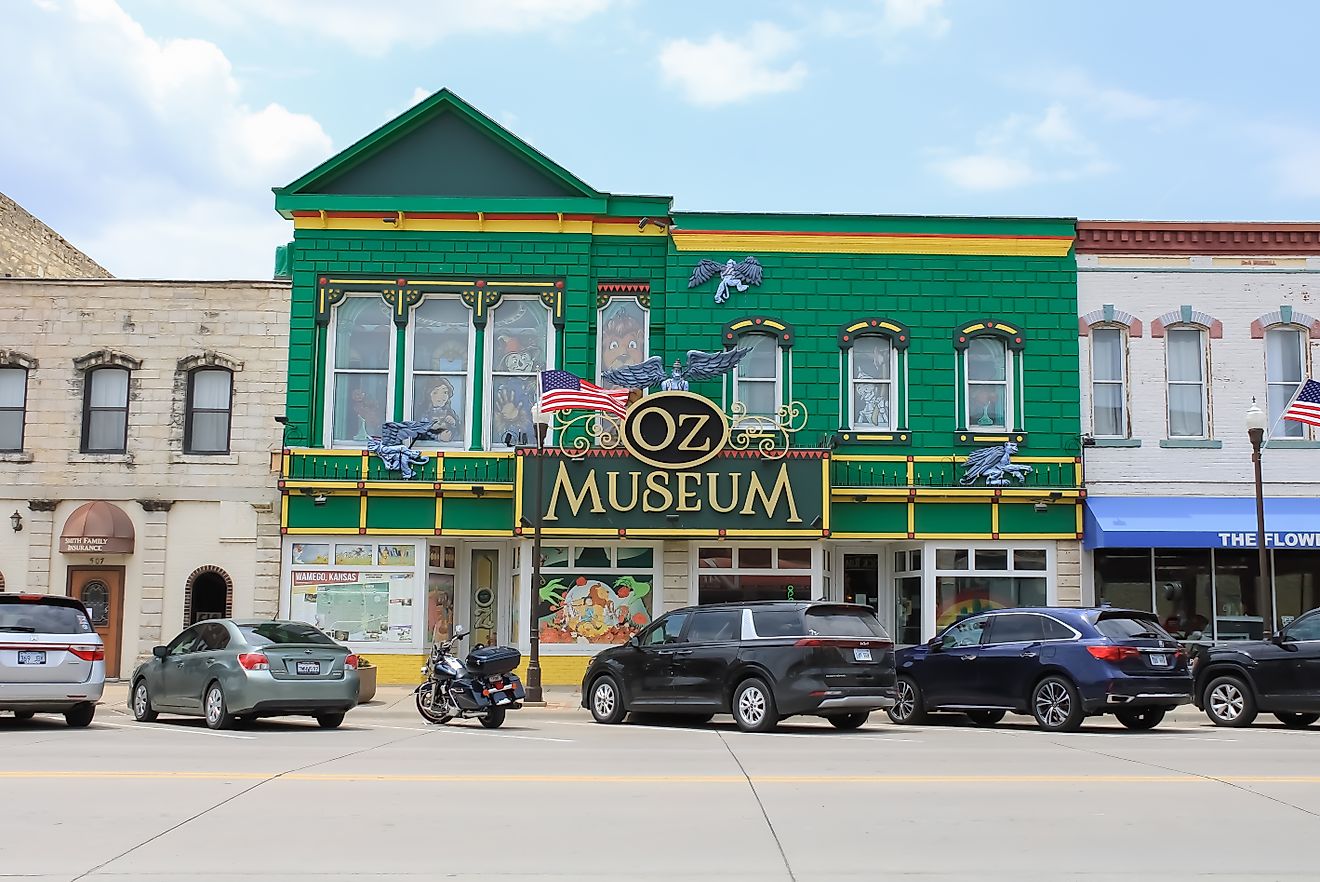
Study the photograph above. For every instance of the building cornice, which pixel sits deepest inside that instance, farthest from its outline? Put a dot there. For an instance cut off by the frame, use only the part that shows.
(1169, 237)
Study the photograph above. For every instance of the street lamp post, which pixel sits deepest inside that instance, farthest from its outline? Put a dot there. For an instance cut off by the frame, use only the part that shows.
(534, 631)
(1256, 424)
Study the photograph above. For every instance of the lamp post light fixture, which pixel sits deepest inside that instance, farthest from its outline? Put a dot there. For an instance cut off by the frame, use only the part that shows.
(534, 628)
(16, 521)
(1257, 422)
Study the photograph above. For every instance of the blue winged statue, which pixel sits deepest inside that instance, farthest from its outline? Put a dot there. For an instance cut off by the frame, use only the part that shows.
(732, 275)
(995, 465)
(700, 366)
(395, 444)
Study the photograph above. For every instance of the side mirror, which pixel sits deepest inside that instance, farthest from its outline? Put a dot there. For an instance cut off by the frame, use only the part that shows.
(460, 631)
(935, 644)
(160, 651)
(635, 642)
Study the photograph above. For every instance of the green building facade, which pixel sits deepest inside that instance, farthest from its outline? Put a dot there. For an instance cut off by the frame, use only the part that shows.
(440, 263)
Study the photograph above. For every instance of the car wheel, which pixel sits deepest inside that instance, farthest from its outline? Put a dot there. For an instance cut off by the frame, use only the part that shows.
(1229, 702)
(217, 712)
(1057, 706)
(142, 709)
(24, 715)
(985, 717)
(494, 718)
(330, 721)
(1146, 718)
(909, 707)
(80, 715)
(848, 721)
(1297, 721)
(606, 701)
(754, 706)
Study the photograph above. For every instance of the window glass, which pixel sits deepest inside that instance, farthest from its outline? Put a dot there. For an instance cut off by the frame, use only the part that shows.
(1107, 379)
(106, 430)
(441, 367)
(1296, 582)
(951, 558)
(1125, 627)
(914, 560)
(1013, 628)
(907, 613)
(592, 556)
(734, 587)
(1186, 372)
(1306, 629)
(761, 558)
(720, 557)
(587, 599)
(827, 621)
(778, 622)
(635, 557)
(520, 349)
(184, 642)
(1055, 630)
(1285, 368)
(756, 376)
(1182, 592)
(715, 626)
(795, 558)
(1123, 578)
(900, 561)
(871, 368)
(35, 617)
(282, 632)
(208, 414)
(13, 400)
(959, 596)
(620, 335)
(1029, 559)
(992, 558)
(987, 382)
(667, 630)
(361, 395)
(1237, 573)
(212, 637)
(965, 633)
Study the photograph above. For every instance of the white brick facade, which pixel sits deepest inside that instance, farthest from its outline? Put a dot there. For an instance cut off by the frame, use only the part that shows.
(188, 511)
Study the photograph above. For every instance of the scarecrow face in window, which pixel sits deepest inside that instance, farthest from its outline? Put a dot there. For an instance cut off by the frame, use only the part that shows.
(622, 337)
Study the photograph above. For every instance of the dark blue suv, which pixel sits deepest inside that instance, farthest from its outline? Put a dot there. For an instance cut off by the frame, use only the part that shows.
(1059, 665)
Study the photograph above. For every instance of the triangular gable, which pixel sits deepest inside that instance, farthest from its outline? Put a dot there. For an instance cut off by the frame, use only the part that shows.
(442, 147)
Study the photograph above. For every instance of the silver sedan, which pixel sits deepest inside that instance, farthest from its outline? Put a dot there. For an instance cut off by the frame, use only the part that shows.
(234, 670)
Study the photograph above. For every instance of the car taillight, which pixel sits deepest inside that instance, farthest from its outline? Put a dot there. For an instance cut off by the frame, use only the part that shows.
(351, 662)
(254, 661)
(1114, 653)
(89, 653)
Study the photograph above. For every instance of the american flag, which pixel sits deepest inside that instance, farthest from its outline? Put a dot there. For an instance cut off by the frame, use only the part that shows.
(1305, 407)
(561, 390)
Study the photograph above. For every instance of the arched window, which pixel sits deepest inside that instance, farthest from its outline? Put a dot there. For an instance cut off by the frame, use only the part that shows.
(1107, 332)
(362, 344)
(440, 380)
(991, 371)
(875, 377)
(209, 595)
(208, 410)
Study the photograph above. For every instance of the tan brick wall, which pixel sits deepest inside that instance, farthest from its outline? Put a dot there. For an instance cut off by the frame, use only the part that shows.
(30, 249)
(1068, 578)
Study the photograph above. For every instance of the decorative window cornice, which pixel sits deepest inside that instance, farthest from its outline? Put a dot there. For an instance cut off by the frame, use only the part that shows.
(1108, 315)
(1285, 315)
(13, 358)
(106, 358)
(758, 324)
(897, 332)
(209, 359)
(634, 288)
(1185, 315)
(1010, 334)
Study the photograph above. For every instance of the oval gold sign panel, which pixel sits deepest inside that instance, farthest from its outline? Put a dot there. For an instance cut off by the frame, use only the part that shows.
(675, 430)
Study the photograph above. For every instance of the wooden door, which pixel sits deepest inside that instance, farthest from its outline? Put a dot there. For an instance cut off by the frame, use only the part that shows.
(101, 589)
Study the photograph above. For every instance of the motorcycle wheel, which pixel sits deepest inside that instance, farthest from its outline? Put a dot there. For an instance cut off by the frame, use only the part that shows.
(494, 718)
(428, 712)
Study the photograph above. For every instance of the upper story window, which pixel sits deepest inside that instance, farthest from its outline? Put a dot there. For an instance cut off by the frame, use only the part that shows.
(1188, 391)
(441, 368)
(874, 351)
(756, 379)
(207, 411)
(362, 351)
(13, 407)
(1285, 370)
(105, 410)
(521, 345)
(621, 334)
(991, 373)
(1109, 417)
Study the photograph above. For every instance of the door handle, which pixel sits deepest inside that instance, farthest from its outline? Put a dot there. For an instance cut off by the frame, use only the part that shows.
(967, 657)
(1027, 654)
(678, 652)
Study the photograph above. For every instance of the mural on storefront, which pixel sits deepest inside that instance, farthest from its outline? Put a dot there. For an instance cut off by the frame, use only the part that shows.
(349, 605)
(593, 609)
(994, 464)
(732, 275)
(699, 366)
(439, 606)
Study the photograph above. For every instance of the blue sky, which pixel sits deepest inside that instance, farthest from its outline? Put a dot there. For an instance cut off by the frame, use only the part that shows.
(149, 132)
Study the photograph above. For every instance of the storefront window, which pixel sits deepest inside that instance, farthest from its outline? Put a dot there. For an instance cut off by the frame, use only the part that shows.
(729, 574)
(986, 582)
(357, 592)
(440, 593)
(441, 368)
(1122, 578)
(1296, 583)
(602, 599)
(1182, 592)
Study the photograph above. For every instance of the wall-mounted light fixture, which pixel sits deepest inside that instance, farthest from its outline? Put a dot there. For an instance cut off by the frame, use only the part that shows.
(16, 520)
(318, 499)
(1042, 506)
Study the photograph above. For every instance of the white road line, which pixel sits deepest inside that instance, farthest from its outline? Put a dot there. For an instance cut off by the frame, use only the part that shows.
(824, 733)
(149, 728)
(471, 732)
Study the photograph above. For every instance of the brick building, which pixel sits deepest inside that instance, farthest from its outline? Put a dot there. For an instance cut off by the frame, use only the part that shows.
(1183, 326)
(31, 250)
(440, 263)
(137, 427)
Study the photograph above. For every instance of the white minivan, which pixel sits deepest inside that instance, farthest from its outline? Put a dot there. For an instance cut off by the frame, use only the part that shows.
(52, 661)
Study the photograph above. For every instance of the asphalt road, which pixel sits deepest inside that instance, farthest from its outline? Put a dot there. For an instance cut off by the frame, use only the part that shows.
(553, 796)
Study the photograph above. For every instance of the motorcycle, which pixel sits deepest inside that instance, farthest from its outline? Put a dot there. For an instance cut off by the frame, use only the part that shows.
(482, 686)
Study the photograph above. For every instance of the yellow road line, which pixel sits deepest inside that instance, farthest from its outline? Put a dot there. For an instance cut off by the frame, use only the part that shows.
(666, 779)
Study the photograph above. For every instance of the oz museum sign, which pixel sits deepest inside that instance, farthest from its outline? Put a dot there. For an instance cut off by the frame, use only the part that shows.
(676, 469)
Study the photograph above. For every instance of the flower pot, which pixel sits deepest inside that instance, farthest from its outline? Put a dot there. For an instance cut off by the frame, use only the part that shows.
(366, 684)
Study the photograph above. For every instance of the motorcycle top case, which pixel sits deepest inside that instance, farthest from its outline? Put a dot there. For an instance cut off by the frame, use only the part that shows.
(491, 660)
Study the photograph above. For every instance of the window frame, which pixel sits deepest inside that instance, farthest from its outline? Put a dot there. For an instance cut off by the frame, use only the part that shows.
(21, 410)
(776, 382)
(1207, 429)
(1009, 383)
(189, 411)
(1125, 417)
(897, 379)
(642, 304)
(489, 374)
(332, 373)
(88, 410)
(411, 374)
(1301, 431)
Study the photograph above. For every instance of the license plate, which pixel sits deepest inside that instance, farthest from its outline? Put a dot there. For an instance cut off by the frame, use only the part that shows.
(1159, 660)
(306, 667)
(32, 657)
(862, 654)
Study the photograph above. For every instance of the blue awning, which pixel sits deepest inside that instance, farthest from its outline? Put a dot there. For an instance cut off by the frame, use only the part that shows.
(1199, 522)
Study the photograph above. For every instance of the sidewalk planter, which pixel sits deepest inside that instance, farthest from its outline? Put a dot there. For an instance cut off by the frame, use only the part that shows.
(366, 681)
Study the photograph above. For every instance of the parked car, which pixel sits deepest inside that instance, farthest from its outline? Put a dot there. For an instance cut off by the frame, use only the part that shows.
(233, 671)
(1236, 681)
(761, 662)
(51, 659)
(1058, 665)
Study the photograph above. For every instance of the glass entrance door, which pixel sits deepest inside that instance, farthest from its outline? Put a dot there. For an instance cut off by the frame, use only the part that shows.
(864, 582)
(483, 610)
(907, 596)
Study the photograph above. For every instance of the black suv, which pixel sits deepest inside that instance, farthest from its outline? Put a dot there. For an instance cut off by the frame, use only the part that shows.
(1235, 681)
(760, 661)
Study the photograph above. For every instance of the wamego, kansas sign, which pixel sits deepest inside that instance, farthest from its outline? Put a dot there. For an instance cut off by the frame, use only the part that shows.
(675, 475)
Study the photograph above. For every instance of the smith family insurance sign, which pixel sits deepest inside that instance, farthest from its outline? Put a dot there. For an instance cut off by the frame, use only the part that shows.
(677, 474)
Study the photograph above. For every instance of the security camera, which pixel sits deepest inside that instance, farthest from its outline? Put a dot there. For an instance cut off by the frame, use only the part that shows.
(641, 224)
(1041, 506)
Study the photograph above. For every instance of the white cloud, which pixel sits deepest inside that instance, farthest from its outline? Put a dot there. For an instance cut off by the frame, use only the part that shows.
(143, 151)
(376, 28)
(926, 16)
(1021, 150)
(723, 71)
(1291, 157)
(892, 23)
(1115, 103)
